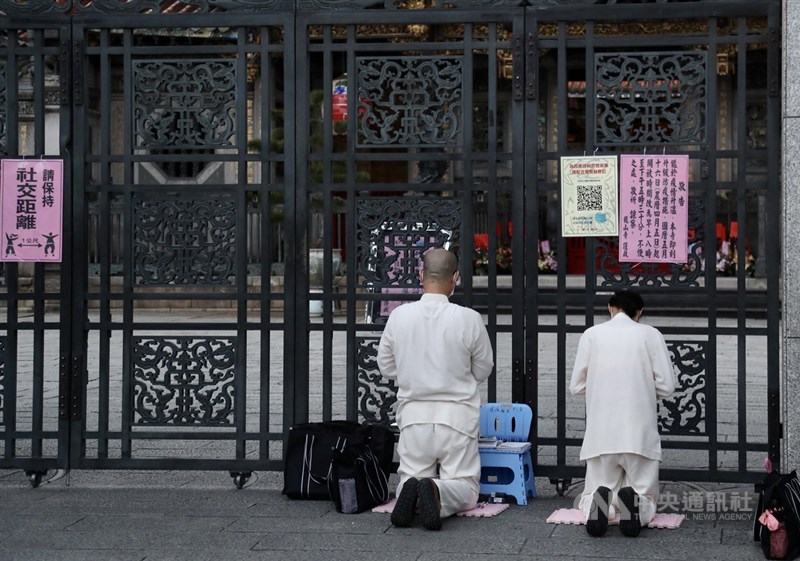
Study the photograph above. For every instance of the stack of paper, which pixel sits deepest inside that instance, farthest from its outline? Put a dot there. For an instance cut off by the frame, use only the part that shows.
(514, 446)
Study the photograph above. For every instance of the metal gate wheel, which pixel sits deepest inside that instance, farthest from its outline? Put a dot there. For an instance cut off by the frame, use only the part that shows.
(35, 477)
(239, 479)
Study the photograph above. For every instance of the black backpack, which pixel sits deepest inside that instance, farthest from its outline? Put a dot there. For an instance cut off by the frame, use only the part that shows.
(780, 498)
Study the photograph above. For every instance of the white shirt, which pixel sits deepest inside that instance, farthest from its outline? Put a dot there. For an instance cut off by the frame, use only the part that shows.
(437, 353)
(623, 367)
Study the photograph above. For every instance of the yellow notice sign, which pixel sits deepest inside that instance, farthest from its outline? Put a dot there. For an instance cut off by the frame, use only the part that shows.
(589, 199)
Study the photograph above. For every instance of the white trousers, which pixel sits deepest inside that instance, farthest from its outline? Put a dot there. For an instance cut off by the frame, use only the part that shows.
(431, 450)
(616, 471)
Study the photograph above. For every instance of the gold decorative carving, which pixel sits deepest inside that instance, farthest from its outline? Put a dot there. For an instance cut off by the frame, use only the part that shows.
(546, 30)
(642, 27)
(574, 29)
(505, 65)
(393, 32)
(725, 65)
(724, 135)
(253, 67)
(412, 4)
(418, 31)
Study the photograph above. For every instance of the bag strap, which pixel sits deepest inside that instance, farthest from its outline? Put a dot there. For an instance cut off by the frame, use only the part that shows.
(757, 525)
(307, 476)
(791, 496)
(376, 483)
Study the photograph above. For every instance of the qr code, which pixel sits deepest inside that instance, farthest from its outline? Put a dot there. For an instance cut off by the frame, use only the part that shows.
(590, 197)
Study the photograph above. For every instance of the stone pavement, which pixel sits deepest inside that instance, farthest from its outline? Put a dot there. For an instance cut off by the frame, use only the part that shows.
(135, 515)
(200, 516)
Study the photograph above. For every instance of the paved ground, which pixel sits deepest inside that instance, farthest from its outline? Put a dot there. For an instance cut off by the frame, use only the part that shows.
(200, 516)
(197, 515)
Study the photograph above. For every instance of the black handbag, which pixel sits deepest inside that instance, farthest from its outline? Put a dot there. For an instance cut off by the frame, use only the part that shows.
(310, 452)
(357, 482)
(779, 500)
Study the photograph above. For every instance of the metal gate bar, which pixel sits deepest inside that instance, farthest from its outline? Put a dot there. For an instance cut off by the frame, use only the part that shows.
(103, 327)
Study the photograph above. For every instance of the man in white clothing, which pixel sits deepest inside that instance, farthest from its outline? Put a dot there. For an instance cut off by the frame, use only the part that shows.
(624, 368)
(437, 353)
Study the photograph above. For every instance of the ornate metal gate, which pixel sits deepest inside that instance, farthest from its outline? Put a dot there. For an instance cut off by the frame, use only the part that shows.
(270, 172)
(704, 81)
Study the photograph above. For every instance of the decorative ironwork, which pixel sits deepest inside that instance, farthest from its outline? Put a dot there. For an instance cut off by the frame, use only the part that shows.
(594, 2)
(184, 103)
(120, 6)
(3, 109)
(203, 6)
(184, 241)
(650, 98)
(684, 412)
(39, 7)
(2, 379)
(182, 7)
(624, 275)
(311, 5)
(183, 380)
(481, 3)
(410, 101)
(376, 395)
(392, 235)
(29, 7)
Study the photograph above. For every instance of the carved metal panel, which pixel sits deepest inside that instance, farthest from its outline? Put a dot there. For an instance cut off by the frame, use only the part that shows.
(650, 98)
(409, 101)
(376, 395)
(29, 7)
(184, 6)
(684, 412)
(597, 2)
(313, 5)
(620, 275)
(183, 380)
(22, 7)
(393, 233)
(184, 241)
(184, 103)
(2, 379)
(479, 3)
(3, 109)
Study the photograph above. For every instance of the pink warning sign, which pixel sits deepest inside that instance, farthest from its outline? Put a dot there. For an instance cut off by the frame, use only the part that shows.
(31, 210)
(654, 208)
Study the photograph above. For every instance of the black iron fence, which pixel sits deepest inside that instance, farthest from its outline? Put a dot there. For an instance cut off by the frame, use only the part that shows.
(205, 142)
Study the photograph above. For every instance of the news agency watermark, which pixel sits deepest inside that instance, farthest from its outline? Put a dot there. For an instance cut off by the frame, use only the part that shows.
(709, 505)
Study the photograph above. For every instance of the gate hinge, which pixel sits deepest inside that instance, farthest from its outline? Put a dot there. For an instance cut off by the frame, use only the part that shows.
(63, 388)
(77, 388)
(77, 72)
(774, 62)
(531, 70)
(64, 73)
(519, 68)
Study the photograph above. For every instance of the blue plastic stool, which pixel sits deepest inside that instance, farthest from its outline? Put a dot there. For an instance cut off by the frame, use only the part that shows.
(508, 471)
